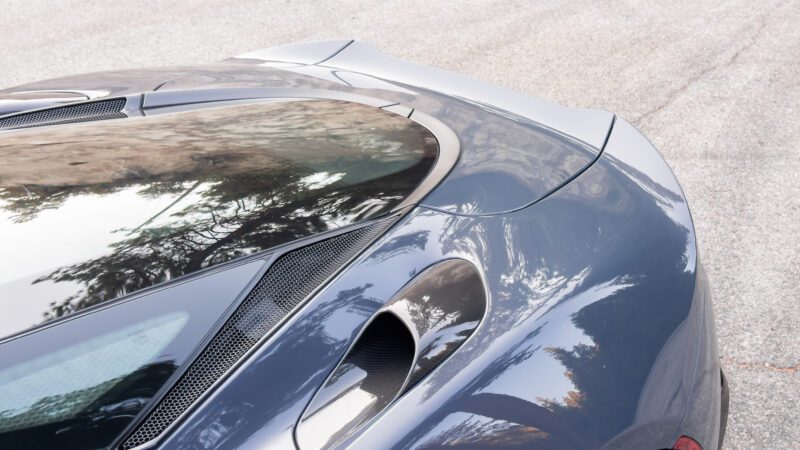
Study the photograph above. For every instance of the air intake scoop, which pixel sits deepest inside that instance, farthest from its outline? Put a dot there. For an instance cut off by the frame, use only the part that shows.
(418, 329)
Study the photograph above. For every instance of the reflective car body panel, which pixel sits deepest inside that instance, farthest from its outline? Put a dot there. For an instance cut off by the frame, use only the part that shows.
(598, 331)
(20, 101)
(308, 53)
(440, 308)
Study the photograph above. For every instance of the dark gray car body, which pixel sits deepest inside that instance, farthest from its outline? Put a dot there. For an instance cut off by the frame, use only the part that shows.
(598, 329)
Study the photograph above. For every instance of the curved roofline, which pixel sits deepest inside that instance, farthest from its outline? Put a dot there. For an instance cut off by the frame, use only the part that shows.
(590, 126)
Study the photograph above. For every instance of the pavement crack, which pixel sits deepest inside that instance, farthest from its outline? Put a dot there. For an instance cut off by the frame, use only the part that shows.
(760, 366)
(700, 75)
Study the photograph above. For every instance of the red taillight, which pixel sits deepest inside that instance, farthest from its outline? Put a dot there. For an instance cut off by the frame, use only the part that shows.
(686, 443)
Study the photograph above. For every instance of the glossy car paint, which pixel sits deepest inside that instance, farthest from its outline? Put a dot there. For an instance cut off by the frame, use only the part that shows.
(599, 330)
(439, 309)
(21, 101)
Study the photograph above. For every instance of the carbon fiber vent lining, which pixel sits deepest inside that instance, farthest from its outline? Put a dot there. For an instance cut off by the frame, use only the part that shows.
(365, 382)
(385, 353)
(290, 280)
(84, 112)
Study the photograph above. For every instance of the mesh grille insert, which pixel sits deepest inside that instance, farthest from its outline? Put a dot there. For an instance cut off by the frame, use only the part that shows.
(289, 281)
(84, 112)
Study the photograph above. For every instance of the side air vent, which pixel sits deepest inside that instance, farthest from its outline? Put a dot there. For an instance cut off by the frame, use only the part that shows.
(371, 375)
(443, 305)
(420, 327)
(84, 112)
(287, 283)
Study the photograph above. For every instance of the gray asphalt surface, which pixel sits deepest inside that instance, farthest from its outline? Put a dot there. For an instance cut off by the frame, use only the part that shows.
(716, 86)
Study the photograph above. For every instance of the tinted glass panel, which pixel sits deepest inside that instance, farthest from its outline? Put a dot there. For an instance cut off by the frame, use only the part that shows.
(79, 383)
(92, 211)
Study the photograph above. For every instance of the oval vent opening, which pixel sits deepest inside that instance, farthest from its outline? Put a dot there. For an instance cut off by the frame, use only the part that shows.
(370, 377)
(417, 330)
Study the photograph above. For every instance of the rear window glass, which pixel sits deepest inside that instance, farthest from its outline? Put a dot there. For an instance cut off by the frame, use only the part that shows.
(80, 382)
(46, 400)
(93, 211)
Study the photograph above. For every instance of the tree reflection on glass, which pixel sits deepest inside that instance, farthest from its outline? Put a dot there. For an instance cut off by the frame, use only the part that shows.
(222, 182)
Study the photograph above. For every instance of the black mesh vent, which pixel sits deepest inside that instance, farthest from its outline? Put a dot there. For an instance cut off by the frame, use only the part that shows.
(84, 112)
(289, 281)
